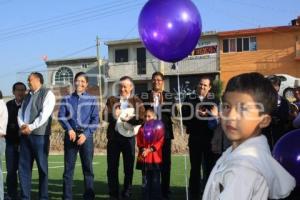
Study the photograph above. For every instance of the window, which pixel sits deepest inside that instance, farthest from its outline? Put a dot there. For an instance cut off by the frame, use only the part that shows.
(63, 76)
(140, 88)
(239, 44)
(141, 60)
(225, 46)
(121, 55)
(245, 44)
(298, 47)
(232, 45)
(84, 66)
(252, 45)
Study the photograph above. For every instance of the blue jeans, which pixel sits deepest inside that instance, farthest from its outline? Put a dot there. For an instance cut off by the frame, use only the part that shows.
(2, 150)
(12, 162)
(33, 147)
(86, 152)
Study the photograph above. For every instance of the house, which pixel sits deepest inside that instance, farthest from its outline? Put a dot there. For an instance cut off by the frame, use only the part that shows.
(268, 50)
(130, 58)
(61, 73)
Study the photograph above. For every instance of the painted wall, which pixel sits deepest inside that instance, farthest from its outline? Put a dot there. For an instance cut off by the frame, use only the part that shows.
(276, 53)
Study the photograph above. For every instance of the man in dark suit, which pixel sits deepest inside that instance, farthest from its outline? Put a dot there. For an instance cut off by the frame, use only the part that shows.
(118, 143)
(199, 113)
(280, 116)
(13, 140)
(162, 102)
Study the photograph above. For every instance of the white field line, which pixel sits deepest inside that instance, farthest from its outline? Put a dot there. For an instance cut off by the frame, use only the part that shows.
(50, 162)
(56, 167)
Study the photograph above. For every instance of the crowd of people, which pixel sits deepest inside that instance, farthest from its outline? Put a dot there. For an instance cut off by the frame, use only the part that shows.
(229, 142)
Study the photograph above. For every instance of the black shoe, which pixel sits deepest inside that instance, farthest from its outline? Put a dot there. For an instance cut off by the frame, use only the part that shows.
(113, 198)
(126, 195)
(194, 197)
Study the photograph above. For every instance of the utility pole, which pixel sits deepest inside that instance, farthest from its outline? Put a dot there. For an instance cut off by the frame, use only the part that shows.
(99, 63)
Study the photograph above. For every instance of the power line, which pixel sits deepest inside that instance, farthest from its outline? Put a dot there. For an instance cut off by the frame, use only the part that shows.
(62, 17)
(63, 57)
(83, 19)
(84, 49)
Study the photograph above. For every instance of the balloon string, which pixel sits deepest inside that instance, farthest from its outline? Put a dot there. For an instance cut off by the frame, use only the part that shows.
(181, 129)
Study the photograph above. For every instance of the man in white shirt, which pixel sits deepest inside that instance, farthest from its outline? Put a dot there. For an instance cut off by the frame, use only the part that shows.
(34, 119)
(3, 125)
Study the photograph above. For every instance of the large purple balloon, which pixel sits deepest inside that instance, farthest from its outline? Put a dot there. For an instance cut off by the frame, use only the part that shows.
(287, 152)
(170, 29)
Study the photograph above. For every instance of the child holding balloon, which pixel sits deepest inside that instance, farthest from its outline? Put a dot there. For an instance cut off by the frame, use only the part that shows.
(247, 170)
(150, 139)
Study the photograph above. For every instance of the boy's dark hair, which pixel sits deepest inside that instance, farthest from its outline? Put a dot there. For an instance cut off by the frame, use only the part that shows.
(39, 76)
(259, 87)
(1, 96)
(86, 77)
(158, 74)
(16, 84)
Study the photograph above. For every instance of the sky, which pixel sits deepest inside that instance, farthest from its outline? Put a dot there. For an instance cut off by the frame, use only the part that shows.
(59, 29)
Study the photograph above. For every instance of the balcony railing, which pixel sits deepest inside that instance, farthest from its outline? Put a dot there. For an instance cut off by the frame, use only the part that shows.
(190, 65)
(195, 64)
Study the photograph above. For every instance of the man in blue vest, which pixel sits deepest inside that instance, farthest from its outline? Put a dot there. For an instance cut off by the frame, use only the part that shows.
(34, 119)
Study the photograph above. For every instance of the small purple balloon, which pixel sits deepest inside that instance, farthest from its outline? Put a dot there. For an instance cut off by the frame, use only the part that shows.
(287, 153)
(158, 125)
(170, 29)
(153, 129)
(149, 130)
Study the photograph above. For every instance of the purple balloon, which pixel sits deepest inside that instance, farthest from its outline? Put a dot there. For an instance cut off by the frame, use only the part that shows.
(170, 29)
(158, 125)
(149, 129)
(287, 153)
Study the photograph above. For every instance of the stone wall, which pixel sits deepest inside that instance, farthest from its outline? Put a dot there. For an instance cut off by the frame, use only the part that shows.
(179, 143)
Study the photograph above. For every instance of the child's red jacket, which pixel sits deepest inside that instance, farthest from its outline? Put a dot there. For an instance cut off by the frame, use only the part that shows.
(154, 159)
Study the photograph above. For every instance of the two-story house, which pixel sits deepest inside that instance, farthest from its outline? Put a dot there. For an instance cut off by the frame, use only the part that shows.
(60, 74)
(130, 58)
(268, 50)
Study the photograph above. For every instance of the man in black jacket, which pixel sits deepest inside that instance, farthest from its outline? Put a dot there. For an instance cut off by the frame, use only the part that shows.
(199, 113)
(117, 142)
(280, 116)
(162, 102)
(13, 140)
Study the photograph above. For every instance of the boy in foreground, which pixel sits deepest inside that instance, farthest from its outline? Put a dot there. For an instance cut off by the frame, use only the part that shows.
(247, 169)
